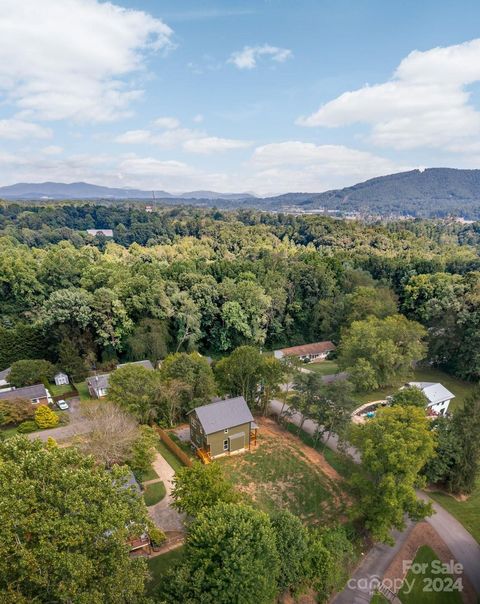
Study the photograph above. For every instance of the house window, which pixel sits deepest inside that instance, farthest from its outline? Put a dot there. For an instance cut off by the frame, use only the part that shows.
(226, 430)
(225, 445)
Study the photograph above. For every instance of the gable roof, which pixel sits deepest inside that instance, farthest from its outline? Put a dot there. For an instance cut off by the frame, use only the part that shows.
(315, 348)
(28, 393)
(5, 373)
(223, 414)
(99, 382)
(146, 363)
(60, 373)
(434, 391)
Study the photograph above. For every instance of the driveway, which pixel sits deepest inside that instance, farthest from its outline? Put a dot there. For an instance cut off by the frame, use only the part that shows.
(78, 425)
(163, 515)
(461, 543)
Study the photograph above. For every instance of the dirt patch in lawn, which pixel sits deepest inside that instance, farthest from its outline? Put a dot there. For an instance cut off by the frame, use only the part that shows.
(281, 472)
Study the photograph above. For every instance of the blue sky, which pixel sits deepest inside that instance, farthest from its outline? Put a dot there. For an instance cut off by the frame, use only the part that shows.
(261, 96)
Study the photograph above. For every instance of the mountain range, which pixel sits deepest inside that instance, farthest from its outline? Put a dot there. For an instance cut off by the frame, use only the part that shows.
(433, 192)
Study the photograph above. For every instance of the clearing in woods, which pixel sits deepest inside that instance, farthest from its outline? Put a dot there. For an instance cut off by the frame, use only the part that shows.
(282, 472)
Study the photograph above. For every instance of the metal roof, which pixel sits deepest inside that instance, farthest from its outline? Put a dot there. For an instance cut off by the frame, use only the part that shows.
(223, 414)
(146, 363)
(28, 393)
(434, 391)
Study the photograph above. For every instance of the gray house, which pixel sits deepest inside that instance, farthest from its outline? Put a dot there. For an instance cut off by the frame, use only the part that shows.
(222, 428)
(98, 385)
(146, 363)
(36, 394)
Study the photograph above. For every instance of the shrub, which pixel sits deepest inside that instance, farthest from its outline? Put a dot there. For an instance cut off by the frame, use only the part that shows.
(27, 427)
(45, 417)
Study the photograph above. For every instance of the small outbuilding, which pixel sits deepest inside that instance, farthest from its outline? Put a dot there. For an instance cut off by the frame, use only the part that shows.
(61, 379)
(222, 428)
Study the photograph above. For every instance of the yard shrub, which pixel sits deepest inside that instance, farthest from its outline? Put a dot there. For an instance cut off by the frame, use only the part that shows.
(16, 411)
(27, 427)
(45, 417)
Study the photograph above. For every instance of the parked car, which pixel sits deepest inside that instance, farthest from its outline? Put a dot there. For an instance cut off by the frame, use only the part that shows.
(63, 405)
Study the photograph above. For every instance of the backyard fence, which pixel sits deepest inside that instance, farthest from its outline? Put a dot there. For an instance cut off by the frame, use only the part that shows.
(65, 395)
(173, 447)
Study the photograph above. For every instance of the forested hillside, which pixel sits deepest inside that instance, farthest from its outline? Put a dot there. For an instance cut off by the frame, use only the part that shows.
(187, 279)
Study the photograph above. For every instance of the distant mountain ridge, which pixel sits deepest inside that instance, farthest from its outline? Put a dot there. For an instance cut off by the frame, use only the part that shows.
(433, 192)
(429, 192)
(84, 190)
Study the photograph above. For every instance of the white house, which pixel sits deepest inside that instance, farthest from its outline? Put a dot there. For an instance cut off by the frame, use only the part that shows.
(438, 396)
(4, 377)
(61, 378)
(104, 232)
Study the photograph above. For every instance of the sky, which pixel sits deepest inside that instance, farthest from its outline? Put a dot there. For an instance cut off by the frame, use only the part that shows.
(259, 96)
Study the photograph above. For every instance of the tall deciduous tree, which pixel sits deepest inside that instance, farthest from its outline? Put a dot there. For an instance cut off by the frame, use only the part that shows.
(193, 370)
(199, 487)
(246, 570)
(65, 525)
(30, 371)
(386, 348)
(394, 446)
(241, 374)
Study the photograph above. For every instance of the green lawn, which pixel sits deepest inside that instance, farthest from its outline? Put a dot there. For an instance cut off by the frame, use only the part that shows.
(378, 599)
(323, 367)
(277, 475)
(154, 493)
(168, 456)
(467, 512)
(341, 463)
(159, 565)
(460, 388)
(149, 474)
(419, 592)
(59, 390)
(83, 391)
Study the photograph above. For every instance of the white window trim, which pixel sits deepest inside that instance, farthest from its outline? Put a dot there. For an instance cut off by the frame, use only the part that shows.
(225, 445)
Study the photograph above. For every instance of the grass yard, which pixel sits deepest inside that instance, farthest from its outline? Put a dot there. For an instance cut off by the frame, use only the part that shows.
(460, 388)
(149, 474)
(467, 512)
(378, 599)
(159, 565)
(341, 463)
(154, 493)
(418, 593)
(323, 367)
(59, 390)
(168, 456)
(282, 473)
(83, 391)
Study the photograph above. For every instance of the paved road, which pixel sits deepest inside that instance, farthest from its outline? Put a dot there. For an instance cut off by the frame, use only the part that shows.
(461, 543)
(78, 425)
(162, 514)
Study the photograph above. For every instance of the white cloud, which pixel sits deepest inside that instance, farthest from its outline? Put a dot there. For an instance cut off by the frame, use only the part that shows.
(167, 122)
(198, 119)
(214, 144)
(52, 150)
(15, 129)
(70, 59)
(299, 166)
(247, 58)
(425, 104)
(173, 135)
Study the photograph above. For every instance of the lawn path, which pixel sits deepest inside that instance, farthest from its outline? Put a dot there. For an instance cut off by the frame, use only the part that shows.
(162, 513)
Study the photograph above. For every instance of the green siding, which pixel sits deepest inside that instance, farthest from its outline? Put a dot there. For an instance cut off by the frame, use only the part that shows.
(217, 439)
